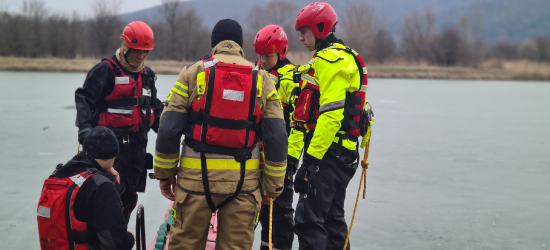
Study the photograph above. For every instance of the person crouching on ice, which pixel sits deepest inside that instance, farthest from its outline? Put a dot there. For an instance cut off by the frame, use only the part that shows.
(271, 45)
(80, 207)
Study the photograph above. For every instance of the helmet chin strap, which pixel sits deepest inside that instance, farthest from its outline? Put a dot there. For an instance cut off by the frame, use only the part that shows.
(321, 42)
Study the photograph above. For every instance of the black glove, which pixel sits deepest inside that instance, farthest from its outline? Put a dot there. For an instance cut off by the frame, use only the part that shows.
(305, 177)
(82, 134)
(292, 165)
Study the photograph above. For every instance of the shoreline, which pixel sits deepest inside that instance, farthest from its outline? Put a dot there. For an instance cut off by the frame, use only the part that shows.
(490, 70)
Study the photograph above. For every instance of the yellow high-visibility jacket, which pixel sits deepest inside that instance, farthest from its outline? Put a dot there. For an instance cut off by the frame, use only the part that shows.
(282, 77)
(336, 73)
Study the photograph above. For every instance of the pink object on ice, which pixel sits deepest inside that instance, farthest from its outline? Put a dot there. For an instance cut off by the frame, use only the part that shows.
(212, 232)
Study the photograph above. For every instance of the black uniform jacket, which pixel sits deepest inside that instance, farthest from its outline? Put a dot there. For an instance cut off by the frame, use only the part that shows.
(98, 204)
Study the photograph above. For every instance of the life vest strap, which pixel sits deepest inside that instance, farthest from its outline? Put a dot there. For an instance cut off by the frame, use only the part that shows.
(206, 185)
(238, 153)
(201, 118)
(135, 101)
(70, 236)
(215, 194)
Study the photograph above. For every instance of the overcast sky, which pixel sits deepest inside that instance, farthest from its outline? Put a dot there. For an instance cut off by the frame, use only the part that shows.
(84, 7)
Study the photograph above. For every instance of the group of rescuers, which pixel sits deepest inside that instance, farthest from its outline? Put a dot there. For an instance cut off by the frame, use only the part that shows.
(246, 126)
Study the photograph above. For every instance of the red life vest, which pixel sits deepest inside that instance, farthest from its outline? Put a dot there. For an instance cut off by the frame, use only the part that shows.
(129, 104)
(355, 120)
(225, 120)
(57, 226)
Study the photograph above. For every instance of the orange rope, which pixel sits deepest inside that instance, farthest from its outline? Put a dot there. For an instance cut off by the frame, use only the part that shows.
(270, 223)
(363, 180)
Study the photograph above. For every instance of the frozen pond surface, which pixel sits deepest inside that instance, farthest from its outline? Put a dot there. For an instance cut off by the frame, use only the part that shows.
(453, 164)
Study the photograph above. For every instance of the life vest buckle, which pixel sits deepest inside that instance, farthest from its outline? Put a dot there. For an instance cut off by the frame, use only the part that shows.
(126, 139)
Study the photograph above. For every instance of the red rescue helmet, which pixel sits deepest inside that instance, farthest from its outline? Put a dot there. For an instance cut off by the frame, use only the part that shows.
(271, 39)
(138, 35)
(318, 16)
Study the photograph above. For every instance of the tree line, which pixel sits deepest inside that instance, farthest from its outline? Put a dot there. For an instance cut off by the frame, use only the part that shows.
(181, 34)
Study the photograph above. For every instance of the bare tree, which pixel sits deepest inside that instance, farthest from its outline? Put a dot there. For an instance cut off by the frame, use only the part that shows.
(194, 37)
(104, 25)
(448, 48)
(34, 12)
(279, 12)
(171, 11)
(471, 26)
(416, 32)
(384, 45)
(505, 49)
(360, 26)
(528, 50)
(543, 48)
(76, 32)
(57, 37)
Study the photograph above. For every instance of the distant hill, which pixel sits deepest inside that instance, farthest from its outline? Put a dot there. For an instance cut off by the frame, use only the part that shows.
(502, 19)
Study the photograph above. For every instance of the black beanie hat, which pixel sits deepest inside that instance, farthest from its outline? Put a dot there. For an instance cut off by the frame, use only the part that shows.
(227, 29)
(101, 143)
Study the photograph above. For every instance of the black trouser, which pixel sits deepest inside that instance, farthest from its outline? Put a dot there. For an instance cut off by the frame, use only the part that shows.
(282, 219)
(320, 222)
(131, 165)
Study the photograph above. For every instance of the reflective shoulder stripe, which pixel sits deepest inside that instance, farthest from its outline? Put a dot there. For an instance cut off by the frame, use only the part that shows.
(78, 179)
(274, 171)
(363, 88)
(120, 111)
(273, 95)
(332, 106)
(165, 163)
(365, 70)
(309, 79)
(274, 78)
(209, 64)
(181, 89)
(259, 86)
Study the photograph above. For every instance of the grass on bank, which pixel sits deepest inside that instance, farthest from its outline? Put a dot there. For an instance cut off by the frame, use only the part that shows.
(489, 70)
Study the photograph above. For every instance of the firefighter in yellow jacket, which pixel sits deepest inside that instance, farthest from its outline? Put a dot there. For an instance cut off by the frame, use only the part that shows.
(271, 44)
(224, 106)
(330, 109)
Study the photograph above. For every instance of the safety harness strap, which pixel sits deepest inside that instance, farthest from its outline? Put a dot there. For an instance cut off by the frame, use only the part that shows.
(213, 149)
(117, 103)
(204, 169)
(70, 236)
(215, 194)
(206, 119)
